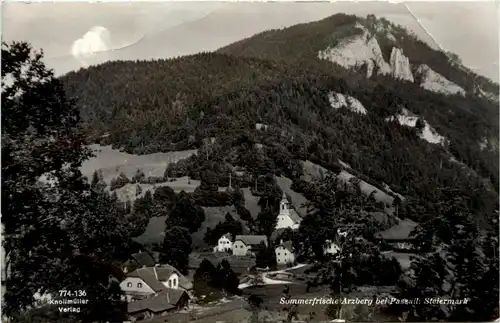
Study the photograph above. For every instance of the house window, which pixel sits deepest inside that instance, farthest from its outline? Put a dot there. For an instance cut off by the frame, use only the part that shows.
(174, 283)
(139, 285)
(169, 283)
(279, 254)
(129, 284)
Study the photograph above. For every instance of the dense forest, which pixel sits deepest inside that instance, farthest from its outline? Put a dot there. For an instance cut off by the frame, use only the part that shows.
(151, 111)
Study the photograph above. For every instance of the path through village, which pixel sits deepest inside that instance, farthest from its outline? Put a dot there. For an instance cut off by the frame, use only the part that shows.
(236, 306)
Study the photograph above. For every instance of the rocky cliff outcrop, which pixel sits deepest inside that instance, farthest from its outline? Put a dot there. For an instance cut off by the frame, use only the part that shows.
(338, 100)
(400, 65)
(358, 51)
(432, 81)
(364, 51)
(488, 96)
(427, 133)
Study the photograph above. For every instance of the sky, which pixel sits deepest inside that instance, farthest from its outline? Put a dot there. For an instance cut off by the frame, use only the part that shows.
(75, 35)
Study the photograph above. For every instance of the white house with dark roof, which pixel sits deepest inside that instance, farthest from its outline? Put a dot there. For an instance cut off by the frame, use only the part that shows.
(261, 126)
(225, 243)
(148, 281)
(399, 235)
(288, 217)
(247, 245)
(331, 247)
(285, 253)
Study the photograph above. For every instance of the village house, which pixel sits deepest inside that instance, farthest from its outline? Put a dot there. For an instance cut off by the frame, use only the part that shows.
(139, 260)
(239, 171)
(285, 254)
(331, 247)
(288, 217)
(225, 243)
(342, 232)
(261, 126)
(160, 304)
(399, 236)
(147, 281)
(248, 244)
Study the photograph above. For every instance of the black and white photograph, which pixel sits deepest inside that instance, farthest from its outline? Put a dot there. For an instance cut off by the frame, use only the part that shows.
(250, 162)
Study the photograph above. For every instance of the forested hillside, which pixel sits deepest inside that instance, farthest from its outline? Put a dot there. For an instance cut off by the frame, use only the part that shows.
(165, 105)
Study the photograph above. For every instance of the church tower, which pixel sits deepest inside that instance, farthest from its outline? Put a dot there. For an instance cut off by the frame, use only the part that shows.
(287, 218)
(284, 205)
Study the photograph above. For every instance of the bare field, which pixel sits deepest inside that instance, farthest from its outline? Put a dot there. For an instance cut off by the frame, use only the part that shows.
(112, 162)
(213, 216)
(129, 191)
(251, 202)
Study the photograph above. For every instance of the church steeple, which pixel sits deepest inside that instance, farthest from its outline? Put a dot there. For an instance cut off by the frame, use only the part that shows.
(284, 205)
(287, 218)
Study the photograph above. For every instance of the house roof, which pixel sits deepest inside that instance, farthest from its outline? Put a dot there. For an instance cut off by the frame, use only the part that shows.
(165, 271)
(251, 240)
(164, 300)
(400, 231)
(156, 256)
(154, 276)
(148, 276)
(173, 295)
(144, 258)
(287, 245)
(294, 216)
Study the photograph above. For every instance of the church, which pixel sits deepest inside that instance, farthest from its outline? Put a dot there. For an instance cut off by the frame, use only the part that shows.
(288, 217)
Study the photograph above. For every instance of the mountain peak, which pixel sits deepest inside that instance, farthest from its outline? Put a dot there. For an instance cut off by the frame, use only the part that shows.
(400, 65)
(356, 51)
(371, 45)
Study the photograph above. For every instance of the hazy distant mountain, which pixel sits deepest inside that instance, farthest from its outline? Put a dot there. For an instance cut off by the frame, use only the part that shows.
(164, 30)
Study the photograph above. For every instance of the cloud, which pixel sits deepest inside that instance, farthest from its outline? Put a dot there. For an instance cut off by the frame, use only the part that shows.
(97, 39)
